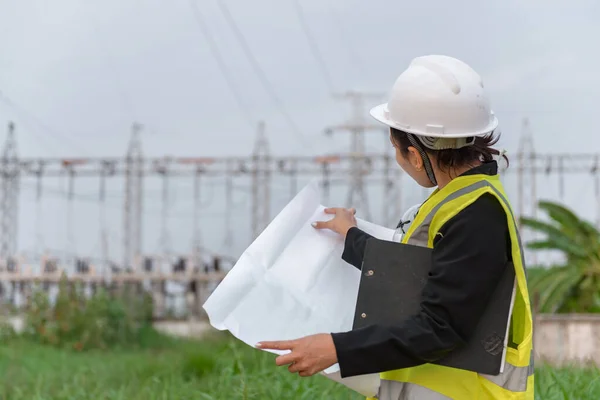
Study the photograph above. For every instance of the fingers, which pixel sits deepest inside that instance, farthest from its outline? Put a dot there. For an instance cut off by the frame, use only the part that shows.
(338, 209)
(321, 224)
(286, 359)
(295, 367)
(301, 368)
(276, 345)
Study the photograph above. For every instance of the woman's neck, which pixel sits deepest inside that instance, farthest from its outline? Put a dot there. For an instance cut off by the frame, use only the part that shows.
(445, 177)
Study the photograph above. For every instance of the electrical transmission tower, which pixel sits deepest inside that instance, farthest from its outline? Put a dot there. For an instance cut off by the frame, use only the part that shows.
(196, 235)
(360, 165)
(132, 217)
(39, 240)
(526, 173)
(228, 241)
(165, 236)
(392, 192)
(261, 183)
(526, 176)
(104, 172)
(9, 201)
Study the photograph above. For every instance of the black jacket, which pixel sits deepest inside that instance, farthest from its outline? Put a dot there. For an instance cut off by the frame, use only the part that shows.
(469, 258)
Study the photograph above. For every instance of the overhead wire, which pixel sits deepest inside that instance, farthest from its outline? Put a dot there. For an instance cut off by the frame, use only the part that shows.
(93, 198)
(313, 45)
(28, 115)
(46, 144)
(214, 48)
(260, 73)
(356, 60)
(118, 82)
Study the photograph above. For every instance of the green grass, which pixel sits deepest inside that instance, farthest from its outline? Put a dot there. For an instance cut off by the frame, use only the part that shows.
(217, 368)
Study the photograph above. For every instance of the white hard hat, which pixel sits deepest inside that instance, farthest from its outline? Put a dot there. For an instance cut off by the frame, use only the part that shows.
(438, 97)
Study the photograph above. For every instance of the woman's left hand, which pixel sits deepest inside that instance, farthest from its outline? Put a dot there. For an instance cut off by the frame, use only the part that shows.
(310, 355)
(342, 222)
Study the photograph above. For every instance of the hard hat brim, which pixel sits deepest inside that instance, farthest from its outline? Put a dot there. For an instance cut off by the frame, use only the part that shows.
(381, 114)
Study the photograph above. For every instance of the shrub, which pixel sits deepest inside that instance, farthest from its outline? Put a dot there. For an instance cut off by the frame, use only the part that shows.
(82, 323)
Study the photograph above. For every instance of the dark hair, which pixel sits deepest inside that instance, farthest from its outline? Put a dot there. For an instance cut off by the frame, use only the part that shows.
(480, 150)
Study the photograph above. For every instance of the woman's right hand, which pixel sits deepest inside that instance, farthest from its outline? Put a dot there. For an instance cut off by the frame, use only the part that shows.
(342, 222)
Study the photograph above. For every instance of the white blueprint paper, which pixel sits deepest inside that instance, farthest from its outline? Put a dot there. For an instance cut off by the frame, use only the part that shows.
(291, 282)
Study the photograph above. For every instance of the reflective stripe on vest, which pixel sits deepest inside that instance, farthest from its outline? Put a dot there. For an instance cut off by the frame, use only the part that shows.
(513, 378)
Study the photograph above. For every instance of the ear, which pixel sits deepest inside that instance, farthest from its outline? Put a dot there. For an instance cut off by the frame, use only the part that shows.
(415, 159)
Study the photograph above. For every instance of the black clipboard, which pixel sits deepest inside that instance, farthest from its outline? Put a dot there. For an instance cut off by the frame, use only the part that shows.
(392, 278)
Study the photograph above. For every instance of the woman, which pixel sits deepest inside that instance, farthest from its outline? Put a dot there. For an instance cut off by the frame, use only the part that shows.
(442, 128)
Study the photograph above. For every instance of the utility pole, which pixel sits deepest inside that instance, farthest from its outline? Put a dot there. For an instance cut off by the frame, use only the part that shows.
(165, 237)
(392, 193)
(10, 195)
(132, 216)
(357, 193)
(39, 239)
(526, 186)
(261, 183)
(103, 227)
(228, 240)
(196, 235)
(70, 251)
(526, 174)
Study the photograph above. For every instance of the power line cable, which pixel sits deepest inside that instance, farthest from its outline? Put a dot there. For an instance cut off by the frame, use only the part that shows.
(46, 144)
(214, 48)
(93, 198)
(313, 45)
(8, 101)
(259, 72)
(118, 82)
(356, 60)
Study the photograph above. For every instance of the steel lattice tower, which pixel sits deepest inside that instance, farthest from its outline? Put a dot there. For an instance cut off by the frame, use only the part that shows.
(526, 186)
(132, 216)
(360, 166)
(9, 201)
(196, 233)
(261, 183)
(228, 240)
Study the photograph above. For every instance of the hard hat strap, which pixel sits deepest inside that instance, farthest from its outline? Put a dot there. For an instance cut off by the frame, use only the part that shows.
(426, 161)
(437, 143)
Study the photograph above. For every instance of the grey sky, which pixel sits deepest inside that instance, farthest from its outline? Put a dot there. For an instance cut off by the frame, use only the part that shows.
(87, 70)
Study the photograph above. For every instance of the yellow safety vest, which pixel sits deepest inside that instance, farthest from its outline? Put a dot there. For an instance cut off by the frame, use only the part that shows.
(516, 381)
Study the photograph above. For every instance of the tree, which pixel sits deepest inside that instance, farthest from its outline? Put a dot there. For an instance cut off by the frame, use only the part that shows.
(574, 285)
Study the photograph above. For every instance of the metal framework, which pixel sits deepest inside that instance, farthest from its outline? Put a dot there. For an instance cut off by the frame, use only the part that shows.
(261, 182)
(9, 200)
(134, 170)
(260, 169)
(360, 165)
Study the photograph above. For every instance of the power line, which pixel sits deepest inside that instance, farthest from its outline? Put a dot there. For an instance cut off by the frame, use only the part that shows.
(259, 72)
(8, 101)
(125, 98)
(354, 57)
(214, 48)
(93, 198)
(47, 144)
(313, 45)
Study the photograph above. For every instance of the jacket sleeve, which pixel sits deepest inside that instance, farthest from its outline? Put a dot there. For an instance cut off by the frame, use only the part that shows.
(354, 246)
(469, 257)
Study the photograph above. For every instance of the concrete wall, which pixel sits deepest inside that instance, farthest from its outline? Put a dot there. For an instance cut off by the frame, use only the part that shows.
(190, 329)
(567, 339)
